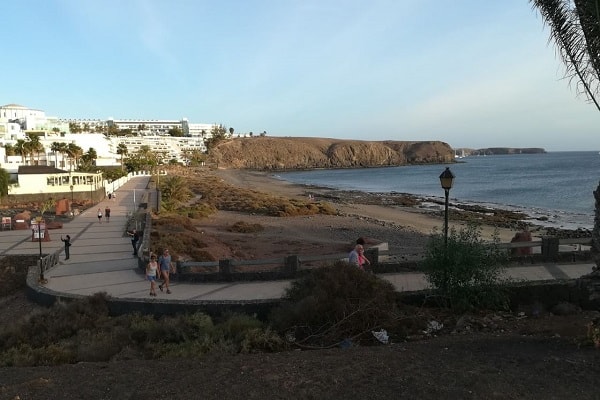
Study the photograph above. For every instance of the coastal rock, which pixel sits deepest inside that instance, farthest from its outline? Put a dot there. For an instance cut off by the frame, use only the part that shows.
(270, 153)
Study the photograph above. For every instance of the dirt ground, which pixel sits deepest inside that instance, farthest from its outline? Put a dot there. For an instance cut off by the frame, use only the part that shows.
(517, 358)
(484, 356)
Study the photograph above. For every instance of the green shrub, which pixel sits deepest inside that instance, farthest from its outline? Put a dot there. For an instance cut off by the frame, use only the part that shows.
(335, 303)
(188, 349)
(27, 356)
(257, 340)
(467, 273)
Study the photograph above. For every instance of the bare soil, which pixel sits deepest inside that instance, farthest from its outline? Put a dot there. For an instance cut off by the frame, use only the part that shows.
(522, 358)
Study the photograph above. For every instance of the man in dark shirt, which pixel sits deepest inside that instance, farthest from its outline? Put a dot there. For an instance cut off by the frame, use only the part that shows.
(67, 243)
(135, 236)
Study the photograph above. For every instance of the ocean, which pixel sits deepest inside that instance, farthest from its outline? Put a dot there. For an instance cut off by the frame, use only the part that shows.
(556, 187)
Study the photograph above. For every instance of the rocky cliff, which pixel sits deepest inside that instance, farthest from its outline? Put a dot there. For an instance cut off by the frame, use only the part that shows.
(273, 153)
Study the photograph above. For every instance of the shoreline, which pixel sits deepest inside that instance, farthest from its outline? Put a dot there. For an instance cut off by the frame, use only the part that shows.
(408, 217)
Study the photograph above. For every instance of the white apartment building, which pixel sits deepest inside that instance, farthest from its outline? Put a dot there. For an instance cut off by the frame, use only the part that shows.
(27, 118)
(16, 119)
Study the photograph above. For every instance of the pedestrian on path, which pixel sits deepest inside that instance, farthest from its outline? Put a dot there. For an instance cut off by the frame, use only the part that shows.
(135, 236)
(67, 243)
(107, 213)
(151, 273)
(100, 215)
(164, 262)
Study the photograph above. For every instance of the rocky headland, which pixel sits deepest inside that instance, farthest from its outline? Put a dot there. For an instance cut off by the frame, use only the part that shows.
(285, 153)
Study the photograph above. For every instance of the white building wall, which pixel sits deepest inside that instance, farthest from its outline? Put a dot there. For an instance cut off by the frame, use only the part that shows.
(56, 183)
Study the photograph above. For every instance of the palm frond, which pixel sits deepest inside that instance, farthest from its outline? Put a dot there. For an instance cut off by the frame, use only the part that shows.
(575, 29)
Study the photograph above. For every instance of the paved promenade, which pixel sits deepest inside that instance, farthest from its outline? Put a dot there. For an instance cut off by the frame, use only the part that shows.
(102, 261)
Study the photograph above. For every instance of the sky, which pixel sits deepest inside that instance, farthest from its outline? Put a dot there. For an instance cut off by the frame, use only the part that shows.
(470, 73)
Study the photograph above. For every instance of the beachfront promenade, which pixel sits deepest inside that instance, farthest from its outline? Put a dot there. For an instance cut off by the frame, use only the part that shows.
(102, 261)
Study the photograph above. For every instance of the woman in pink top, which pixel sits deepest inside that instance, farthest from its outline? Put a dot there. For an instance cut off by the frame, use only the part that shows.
(357, 257)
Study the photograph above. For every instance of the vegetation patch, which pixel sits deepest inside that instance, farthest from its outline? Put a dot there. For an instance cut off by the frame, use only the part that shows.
(83, 331)
(338, 304)
(244, 227)
(466, 271)
(13, 273)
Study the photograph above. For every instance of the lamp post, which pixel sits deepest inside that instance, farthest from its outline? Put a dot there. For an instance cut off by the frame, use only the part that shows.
(72, 199)
(446, 180)
(39, 238)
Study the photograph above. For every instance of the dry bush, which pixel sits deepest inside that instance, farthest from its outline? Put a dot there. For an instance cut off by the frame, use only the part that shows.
(334, 304)
(13, 273)
(216, 192)
(180, 245)
(244, 227)
(173, 223)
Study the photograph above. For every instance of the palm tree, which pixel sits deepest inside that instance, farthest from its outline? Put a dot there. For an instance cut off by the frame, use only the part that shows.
(63, 148)
(21, 149)
(35, 147)
(55, 147)
(575, 29)
(74, 152)
(9, 149)
(122, 151)
(4, 182)
(74, 127)
(88, 160)
(175, 190)
(28, 150)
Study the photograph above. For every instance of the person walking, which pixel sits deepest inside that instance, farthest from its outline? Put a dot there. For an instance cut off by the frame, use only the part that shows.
(67, 243)
(100, 215)
(135, 237)
(107, 213)
(151, 274)
(164, 262)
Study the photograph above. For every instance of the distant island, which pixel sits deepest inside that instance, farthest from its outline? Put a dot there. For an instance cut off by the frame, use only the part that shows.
(499, 151)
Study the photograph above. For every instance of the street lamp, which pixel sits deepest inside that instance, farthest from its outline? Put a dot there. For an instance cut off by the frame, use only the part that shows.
(39, 238)
(446, 179)
(72, 199)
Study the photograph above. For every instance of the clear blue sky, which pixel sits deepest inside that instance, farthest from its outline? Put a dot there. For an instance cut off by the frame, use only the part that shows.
(471, 73)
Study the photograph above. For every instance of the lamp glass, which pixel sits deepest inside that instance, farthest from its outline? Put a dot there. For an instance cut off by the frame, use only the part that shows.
(447, 179)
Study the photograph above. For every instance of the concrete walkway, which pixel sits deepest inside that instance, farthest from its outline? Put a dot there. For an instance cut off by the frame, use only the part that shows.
(102, 261)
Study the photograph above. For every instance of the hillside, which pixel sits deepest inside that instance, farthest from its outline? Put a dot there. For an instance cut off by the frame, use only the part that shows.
(275, 153)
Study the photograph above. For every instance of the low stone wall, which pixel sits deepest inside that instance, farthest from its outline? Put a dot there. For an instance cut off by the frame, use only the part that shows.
(119, 306)
(546, 293)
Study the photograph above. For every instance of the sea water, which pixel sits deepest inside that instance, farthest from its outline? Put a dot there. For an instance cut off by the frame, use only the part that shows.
(555, 188)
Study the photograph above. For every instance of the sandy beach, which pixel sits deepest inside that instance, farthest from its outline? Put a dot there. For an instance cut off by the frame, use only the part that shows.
(410, 218)
(404, 228)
